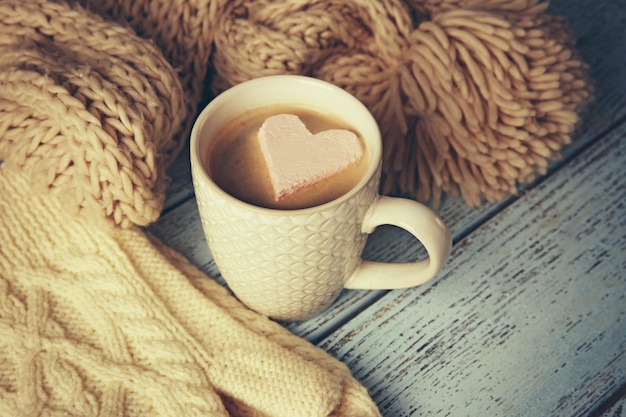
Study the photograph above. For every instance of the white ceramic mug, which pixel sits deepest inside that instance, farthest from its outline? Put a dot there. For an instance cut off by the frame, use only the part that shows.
(291, 264)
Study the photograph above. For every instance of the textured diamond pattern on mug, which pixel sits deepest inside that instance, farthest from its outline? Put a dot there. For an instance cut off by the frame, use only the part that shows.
(295, 255)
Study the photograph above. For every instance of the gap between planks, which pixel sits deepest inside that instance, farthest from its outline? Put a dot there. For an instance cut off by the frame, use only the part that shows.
(372, 343)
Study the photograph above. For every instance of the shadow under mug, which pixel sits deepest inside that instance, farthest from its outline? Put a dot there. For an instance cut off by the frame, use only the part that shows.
(292, 264)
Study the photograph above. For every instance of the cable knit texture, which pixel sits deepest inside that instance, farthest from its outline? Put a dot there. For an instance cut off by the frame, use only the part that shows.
(102, 321)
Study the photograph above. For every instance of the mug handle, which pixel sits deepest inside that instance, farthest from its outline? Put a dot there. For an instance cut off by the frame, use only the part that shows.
(422, 223)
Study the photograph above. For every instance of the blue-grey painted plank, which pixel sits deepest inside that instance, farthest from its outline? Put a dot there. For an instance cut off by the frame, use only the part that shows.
(528, 318)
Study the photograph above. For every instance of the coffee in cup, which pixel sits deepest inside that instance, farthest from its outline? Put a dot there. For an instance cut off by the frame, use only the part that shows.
(235, 159)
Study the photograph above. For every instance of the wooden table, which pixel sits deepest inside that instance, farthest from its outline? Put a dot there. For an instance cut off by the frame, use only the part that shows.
(528, 317)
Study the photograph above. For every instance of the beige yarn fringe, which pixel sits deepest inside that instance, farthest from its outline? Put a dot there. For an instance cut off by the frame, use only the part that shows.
(474, 97)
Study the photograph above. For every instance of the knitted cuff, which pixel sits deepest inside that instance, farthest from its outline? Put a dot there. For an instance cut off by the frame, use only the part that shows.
(354, 399)
(88, 109)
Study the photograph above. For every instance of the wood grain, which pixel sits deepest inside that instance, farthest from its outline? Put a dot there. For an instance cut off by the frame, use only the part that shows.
(528, 318)
(616, 410)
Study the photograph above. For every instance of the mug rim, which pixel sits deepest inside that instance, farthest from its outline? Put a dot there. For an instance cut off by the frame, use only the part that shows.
(198, 167)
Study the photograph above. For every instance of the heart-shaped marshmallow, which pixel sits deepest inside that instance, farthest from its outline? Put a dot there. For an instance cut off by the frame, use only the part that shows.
(296, 158)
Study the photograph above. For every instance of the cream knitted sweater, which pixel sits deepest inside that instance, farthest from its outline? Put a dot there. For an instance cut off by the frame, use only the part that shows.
(104, 321)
